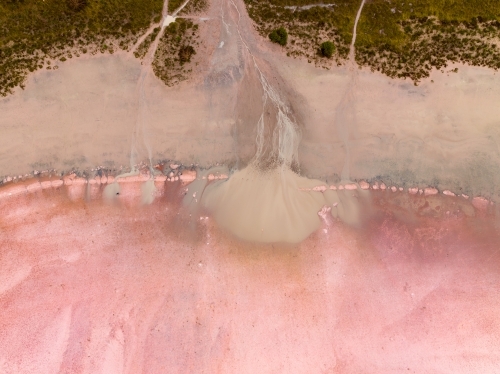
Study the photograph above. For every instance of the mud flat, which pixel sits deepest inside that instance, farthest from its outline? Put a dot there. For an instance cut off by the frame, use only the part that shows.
(84, 115)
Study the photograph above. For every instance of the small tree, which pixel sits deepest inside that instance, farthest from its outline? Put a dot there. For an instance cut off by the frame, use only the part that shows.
(172, 28)
(279, 36)
(76, 5)
(327, 49)
(185, 53)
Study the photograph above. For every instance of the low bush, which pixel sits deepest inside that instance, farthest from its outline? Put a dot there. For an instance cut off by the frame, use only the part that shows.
(33, 32)
(279, 36)
(76, 5)
(327, 49)
(185, 53)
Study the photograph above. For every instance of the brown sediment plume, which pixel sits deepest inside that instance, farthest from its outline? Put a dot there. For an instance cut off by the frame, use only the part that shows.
(265, 206)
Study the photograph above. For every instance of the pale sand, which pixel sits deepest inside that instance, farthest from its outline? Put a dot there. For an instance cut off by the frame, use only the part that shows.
(84, 115)
(79, 117)
(442, 134)
(168, 20)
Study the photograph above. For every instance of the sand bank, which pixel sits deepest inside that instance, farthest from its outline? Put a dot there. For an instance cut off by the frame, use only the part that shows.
(443, 132)
(84, 115)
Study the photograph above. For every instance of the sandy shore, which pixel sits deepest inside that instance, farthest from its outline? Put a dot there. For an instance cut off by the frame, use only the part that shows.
(85, 115)
(442, 133)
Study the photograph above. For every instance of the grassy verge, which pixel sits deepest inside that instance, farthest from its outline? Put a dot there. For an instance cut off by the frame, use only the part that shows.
(307, 26)
(35, 33)
(400, 39)
(409, 39)
(143, 48)
(177, 47)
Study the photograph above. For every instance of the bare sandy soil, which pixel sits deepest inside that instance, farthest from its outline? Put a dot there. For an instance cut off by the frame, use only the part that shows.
(86, 114)
(443, 133)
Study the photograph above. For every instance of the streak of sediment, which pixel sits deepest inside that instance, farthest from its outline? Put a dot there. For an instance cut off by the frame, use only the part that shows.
(286, 134)
(140, 130)
(345, 112)
(180, 8)
(267, 201)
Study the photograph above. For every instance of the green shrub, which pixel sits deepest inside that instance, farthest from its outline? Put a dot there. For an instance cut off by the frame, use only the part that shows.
(173, 5)
(172, 28)
(76, 5)
(185, 53)
(279, 36)
(34, 30)
(327, 49)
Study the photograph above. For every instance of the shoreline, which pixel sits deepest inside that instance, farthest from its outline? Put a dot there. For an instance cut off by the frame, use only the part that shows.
(317, 123)
(125, 287)
(174, 172)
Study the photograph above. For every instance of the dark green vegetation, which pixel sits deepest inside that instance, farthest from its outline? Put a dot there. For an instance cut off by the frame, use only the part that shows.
(173, 58)
(77, 5)
(279, 36)
(35, 33)
(185, 54)
(401, 39)
(143, 48)
(173, 5)
(194, 7)
(308, 26)
(327, 49)
(407, 40)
